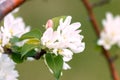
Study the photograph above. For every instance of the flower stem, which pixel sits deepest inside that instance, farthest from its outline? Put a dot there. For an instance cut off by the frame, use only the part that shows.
(96, 28)
(111, 65)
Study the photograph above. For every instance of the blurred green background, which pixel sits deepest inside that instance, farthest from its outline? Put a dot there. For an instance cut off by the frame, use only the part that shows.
(88, 65)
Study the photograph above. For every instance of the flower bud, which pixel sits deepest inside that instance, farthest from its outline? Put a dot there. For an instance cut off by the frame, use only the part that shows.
(49, 23)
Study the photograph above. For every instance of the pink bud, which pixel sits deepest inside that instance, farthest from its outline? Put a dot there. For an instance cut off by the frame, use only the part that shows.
(49, 23)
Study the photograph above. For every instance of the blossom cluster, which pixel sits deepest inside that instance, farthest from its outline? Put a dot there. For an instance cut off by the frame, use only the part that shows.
(110, 35)
(59, 42)
(65, 40)
(12, 27)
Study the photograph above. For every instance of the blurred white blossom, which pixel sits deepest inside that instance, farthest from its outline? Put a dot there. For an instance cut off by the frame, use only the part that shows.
(7, 68)
(12, 27)
(110, 35)
(65, 41)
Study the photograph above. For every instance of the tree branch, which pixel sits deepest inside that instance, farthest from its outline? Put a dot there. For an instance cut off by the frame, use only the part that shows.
(96, 28)
(92, 17)
(7, 6)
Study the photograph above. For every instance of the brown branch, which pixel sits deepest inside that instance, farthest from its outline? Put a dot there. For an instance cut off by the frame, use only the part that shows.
(92, 17)
(7, 6)
(39, 54)
(96, 28)
(115, 57)
(111, 65)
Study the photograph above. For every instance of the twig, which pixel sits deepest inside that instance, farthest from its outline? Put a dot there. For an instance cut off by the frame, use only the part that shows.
(7, 6)
(39, 54)
(96, 28)
(111, 64)
(100, 3)
(115, 57)
(92, 17)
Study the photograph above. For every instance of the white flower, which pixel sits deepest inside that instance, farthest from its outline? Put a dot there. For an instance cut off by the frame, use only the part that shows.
(65, 40)
(106, 41)
(67, 56)
(12, 27)
(66, 66)
(66, 36)
(69, 35)
(49, 37)
(15, 26)
(111, 33)
(7, 68)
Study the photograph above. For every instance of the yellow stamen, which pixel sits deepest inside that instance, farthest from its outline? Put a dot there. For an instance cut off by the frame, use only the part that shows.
(60, 51)
(11, 31)
(0, 41)
(8, 45)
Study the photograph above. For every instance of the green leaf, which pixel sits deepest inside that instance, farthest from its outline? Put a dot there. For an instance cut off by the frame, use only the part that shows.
(16, 57)
(55, 63)
(16, 49)
(14, 40)
(36, 33)
(56, 21)
(27, 48)
(31, 53)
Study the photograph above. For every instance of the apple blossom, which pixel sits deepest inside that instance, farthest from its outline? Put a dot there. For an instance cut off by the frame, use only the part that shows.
(110, 35)
(69, 35)
(66, 36)
(65, 40)
(12, 27)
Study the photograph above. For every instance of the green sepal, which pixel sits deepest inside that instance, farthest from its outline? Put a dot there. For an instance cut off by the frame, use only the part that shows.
(56, 21)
